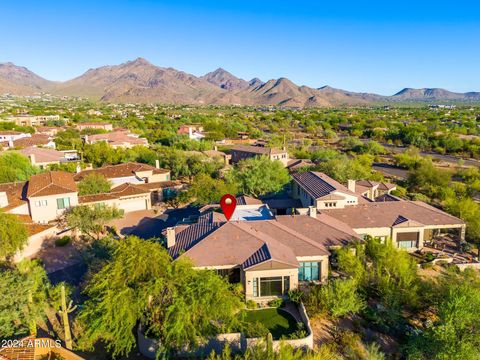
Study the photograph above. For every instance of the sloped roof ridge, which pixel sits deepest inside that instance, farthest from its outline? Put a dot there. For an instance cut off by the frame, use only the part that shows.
(300, 236)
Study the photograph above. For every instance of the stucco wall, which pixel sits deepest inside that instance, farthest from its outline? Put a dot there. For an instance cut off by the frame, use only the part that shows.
(237, 341)
(44, 214)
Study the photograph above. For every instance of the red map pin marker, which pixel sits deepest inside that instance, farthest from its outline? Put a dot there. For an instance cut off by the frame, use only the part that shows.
(228, 204)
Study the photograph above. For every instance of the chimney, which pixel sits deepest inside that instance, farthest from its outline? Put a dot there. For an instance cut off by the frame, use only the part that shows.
(86, 139)
(78, 169)
(190, 132)
(170, 237)
(312, 211)
(10, 143)
(351, 185)
(32, 159)
(157, 164)
(215, 148)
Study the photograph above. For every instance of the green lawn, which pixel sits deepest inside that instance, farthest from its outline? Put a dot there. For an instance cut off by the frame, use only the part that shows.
(277, 321)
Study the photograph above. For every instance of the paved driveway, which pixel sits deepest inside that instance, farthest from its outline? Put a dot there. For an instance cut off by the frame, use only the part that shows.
(146, 224)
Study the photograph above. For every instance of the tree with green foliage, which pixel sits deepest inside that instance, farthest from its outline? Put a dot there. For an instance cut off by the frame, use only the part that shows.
(13, 235)
(259, 176)
(91, 220)
(94, 184)
(343, 168)
(337, 298)
(455, 333)
(15, 167)
(206, 190)
(174, 302)
(24, 299)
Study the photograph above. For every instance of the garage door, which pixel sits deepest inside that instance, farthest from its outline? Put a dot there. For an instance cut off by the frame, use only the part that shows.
(133, 205)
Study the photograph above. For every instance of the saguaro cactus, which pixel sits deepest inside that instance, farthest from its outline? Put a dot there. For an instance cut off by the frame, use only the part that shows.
(65, 310)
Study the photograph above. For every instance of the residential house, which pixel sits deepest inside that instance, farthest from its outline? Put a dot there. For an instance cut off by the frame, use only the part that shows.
(50, 194)
(194, 132)
(117, 139)
(294, 165)
(8, 135)
(321, 191)
(32, 120)
(408, 224)
(370, 189)
(241, 152)
(152, 179)
(43, 157)
(369, 209)
(51, 131)
(33, 140)
(94, 125)
(268, 255)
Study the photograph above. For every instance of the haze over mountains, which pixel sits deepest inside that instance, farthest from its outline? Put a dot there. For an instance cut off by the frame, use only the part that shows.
(139, 81)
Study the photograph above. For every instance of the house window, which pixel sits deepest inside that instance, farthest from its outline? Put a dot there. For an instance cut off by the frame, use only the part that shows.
(309, 271)
(407, 244)
(63, 203)
(99, 206)
(271, 286)
(407, 240)
(41, 203)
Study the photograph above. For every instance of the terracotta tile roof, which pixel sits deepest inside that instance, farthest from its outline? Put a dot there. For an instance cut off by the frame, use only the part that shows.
(128, 190)
(85, 199)
(51, 183)
(9, 132)
(34, 140)
(16, 194)
(33, 228)
(22, 351)
(159, 185)
(260, 150)
(386, 214)
(120, 170)
(118, 138)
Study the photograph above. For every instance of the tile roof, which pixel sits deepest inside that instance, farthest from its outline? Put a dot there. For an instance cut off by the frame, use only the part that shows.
(118, 137)
(248, 200)
(16, 194)
(128, 190)
(43, 155)
(22, 351)
(319, 185)
(386, 214)
(120, 170)
(86, 199)
(51, 183)
(248, 243)
(260, 150)
(34, 140)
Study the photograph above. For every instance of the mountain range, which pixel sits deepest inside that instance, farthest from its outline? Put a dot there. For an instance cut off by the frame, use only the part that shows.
(139, 81)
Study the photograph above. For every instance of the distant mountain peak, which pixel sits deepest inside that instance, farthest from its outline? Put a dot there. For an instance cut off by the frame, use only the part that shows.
(139, 81)
(225, 80)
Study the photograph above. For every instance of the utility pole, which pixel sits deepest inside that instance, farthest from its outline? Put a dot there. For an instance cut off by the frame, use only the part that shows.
(66, 323)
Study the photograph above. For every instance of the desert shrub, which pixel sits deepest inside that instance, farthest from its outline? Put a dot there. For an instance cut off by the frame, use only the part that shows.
(275, 303)
(255, 329)
(295, 296)
(337, 298)
(64, 240)
(251, 304)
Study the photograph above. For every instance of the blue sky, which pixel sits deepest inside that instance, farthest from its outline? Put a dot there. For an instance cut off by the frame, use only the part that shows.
(373, 46)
